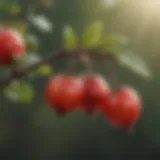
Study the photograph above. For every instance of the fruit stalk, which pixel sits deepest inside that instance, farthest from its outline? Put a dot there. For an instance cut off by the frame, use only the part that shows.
(21, 72)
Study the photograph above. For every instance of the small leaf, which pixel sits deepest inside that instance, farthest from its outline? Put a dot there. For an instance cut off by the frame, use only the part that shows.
(112, 43)
(135, 63)
(26, 60)
(69, 38)
(44, 70)
(32, 43)
(15, 9)
(19, 91)
(92, 34)
(31, 58)
(41, 22)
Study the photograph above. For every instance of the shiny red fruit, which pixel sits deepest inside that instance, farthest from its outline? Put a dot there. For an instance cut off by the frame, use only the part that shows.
(11, 45)
(64, 93)
(123, 108)
(95, 90)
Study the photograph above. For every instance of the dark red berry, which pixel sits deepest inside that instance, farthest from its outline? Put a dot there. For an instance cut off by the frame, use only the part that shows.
(11, 45)
(95, 90)
(123, 108)
(64, 93)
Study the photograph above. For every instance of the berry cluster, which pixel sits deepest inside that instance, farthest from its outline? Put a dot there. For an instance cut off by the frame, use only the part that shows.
(92, 93)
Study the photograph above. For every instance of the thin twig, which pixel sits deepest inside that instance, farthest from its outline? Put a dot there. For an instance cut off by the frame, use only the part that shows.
(21, 72)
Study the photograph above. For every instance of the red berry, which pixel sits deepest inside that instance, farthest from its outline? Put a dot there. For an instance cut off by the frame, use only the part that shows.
(11, 44)
(64, 93)
(123, 108)
(95, 90)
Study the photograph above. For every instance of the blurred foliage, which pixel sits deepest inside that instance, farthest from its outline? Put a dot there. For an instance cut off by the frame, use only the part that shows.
(44, 70)
(19, 91)
(41, 22)
(135, 63)
(14, 9)
(19, 25)
(92, 34)
(32, 43)
(31, 58)
(112, 42)
(70, 40)
(94, 37)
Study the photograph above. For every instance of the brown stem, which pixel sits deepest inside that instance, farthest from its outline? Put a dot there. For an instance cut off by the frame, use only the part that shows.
(85, 59)
(110, 71)
(21, 72)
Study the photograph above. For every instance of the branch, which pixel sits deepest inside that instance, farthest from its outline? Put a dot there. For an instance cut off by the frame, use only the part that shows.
(21, 72)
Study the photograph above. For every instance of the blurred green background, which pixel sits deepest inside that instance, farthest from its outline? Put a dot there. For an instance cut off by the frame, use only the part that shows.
(34, 132)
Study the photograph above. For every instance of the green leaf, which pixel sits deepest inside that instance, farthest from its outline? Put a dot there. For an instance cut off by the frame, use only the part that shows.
(44, 70)
(26, 60)
(92, 34)
(70, 39)
(41, 22)
(135, 63)
(19, 91)
(15, 9)
(30, 59)
(112, 43)
(32, 43)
